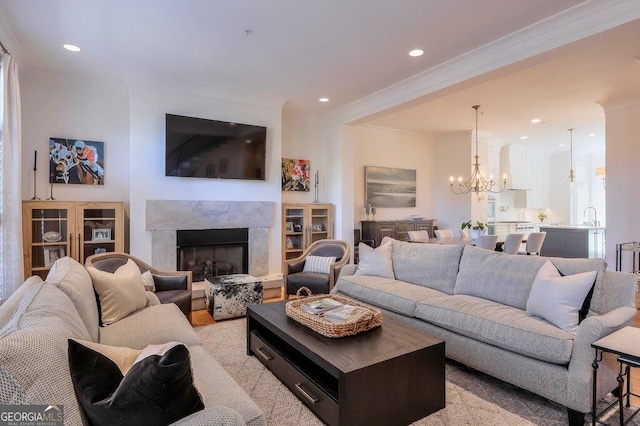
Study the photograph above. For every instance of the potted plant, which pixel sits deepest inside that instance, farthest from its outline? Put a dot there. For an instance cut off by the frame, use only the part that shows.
(474, 230)
(542, 217)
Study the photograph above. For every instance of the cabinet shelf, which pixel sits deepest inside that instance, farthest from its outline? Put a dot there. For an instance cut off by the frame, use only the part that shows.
(304, 216)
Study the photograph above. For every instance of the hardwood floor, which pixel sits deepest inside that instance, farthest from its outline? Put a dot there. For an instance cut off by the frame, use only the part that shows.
(202, 317)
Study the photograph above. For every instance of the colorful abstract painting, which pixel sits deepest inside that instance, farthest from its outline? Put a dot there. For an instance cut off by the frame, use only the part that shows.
(295, 175)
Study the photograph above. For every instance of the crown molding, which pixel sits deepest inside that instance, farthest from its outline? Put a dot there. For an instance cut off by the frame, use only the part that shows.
(615, 105)
(576, 23)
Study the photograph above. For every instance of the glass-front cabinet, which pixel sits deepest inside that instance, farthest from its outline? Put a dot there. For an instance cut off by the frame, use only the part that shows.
(302, 225)
(54, 229)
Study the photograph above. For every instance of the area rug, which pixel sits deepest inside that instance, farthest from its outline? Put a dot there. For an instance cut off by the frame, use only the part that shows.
(472, 398)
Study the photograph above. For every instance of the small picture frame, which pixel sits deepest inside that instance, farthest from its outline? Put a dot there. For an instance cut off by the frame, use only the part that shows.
(288, 226)
(316, 227)
(100, 234)
(51, 254)
(289, 243)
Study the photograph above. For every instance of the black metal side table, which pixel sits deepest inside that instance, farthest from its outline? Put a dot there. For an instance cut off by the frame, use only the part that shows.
(626, 344)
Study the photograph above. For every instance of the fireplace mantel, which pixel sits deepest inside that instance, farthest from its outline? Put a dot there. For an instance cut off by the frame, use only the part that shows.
(165, 217)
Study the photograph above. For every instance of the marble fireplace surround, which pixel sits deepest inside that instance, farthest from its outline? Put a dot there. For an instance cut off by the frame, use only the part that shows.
(165, 217)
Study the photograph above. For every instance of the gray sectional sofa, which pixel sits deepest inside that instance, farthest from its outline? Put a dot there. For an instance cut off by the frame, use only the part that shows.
(39, 318)
(476, 299)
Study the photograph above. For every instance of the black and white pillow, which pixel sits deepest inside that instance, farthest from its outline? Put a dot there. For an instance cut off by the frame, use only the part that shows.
(318, 264)
(117, 386)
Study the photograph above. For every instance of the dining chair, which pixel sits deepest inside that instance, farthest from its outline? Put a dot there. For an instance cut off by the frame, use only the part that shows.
(487, 242)
(443, 233)
(512, 243)
(534, 243)
(418, 235)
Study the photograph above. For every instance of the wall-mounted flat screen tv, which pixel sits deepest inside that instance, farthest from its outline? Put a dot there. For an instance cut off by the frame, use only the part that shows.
(201, 148)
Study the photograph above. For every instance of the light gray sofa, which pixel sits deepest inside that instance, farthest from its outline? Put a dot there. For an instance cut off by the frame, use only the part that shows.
(39, 318)
(475, 300)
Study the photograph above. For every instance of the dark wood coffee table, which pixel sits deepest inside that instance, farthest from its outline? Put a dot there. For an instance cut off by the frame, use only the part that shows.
(392, 375)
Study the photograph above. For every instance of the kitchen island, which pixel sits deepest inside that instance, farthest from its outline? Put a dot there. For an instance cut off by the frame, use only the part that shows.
(573, 241)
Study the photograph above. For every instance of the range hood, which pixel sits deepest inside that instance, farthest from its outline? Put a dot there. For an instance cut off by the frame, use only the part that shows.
(514, 162)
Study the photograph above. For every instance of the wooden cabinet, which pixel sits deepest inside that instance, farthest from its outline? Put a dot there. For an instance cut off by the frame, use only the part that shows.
(53, 229)
(303, 224)
(397, 229)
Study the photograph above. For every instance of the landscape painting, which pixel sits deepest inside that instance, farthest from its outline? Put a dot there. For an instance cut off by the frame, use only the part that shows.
(389, 187)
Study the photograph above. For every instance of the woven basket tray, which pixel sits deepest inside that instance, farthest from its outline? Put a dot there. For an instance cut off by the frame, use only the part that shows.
(370, 320)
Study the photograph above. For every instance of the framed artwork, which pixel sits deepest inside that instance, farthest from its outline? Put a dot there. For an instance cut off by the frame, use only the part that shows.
(288, 226)
(52, 254)
(75, 161)
(100, 234)
(389, 187)
(295, 175)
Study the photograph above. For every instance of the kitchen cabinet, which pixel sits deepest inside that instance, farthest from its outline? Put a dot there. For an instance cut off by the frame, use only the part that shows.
(514, 162)
(304, 224)
(54, 229)
(573, 241)
(538, 196)
(397, 229)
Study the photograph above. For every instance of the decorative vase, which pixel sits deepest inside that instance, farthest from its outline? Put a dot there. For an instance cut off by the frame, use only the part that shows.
(475, 233)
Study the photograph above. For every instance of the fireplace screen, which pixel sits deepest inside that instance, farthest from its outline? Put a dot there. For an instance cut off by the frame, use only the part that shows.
(213, 252)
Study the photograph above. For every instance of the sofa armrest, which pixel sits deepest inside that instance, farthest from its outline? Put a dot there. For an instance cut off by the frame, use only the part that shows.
(580, 370)
(219, 416)
(348, 270)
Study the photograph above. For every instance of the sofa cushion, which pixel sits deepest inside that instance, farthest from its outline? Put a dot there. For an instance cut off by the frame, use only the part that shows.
(9, 307)
(121, 292)
(557, 299)
(393, 295)
(428, 265)
(318, 264)
(34, 366)
(72, 278)
(161, 324)
(499, 325)
(217, 387)
(496, 276)
(375, 262)
(577, 266)
(123, 386)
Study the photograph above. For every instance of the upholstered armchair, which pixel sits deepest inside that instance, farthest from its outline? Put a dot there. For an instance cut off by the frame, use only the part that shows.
(170, 287)
(296, 275)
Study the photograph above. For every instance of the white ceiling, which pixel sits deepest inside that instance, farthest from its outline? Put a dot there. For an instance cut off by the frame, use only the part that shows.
(303, 49)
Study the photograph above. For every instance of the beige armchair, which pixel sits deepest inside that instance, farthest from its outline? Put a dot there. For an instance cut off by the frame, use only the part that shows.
(296, 277)
(170, 287)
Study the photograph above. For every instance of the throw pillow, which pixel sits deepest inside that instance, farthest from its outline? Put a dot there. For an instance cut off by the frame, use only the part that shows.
(318, 264)
(121, 293)
(376, 261)
(147, 281)
(557, 299)
(135, 387)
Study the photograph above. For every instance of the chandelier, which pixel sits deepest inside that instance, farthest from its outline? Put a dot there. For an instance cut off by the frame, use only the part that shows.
(571, 158)
(476, 183)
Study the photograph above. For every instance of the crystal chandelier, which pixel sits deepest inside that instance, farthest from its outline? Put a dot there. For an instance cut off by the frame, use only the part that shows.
(571, 158)
(476, 183)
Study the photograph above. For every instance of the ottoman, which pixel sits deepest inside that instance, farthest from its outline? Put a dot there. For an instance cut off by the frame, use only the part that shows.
(227, 296)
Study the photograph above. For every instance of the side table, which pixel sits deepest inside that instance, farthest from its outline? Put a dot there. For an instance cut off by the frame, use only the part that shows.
(227, 296)
(626, 344)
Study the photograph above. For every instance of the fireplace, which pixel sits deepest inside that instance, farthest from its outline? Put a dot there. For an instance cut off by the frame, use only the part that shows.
(213, 252)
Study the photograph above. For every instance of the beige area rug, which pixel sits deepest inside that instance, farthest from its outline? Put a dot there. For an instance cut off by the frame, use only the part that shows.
(472, 398)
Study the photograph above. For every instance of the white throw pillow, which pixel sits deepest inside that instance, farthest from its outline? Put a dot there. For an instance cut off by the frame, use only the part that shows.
(558, 299)
(318, 264)
(121, 293)
(375, 261)
(147, 281)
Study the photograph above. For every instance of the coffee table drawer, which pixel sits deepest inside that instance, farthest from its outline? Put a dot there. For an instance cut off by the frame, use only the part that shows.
(317, 399)
(267, 355)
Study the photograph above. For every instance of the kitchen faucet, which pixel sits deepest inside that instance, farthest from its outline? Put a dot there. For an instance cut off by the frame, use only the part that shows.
(595, 215)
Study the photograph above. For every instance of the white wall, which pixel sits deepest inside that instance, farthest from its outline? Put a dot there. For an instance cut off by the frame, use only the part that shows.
(623, 175)
(149, 104)
(75, 107)
(374, 146)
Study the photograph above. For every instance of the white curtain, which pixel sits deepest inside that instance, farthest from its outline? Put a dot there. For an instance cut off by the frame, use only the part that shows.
(11, 272)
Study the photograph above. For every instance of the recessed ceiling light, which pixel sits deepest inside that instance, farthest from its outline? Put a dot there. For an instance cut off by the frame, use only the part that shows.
(591, 134)
(416, 52)
(562, 145)
(524, 137)
(71, 47)
(324, 99)
(536, 120)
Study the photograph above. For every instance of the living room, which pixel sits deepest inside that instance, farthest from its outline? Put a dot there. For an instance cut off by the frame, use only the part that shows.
(127, 112)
